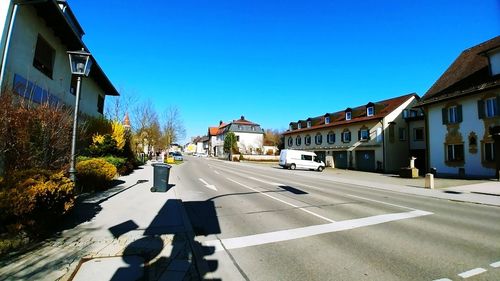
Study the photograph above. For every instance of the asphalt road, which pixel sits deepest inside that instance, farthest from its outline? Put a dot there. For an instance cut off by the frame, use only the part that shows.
(258, 222)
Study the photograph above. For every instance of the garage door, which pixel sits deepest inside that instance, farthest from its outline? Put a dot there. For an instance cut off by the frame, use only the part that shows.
(365, 160)
(340, 159)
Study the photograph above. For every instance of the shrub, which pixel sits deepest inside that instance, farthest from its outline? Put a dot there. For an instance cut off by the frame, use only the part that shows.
(36, 199)
(94, 174)
(103, 145)
(123, 166)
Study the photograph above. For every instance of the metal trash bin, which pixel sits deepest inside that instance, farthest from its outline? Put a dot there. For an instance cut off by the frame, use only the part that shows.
(161, 173)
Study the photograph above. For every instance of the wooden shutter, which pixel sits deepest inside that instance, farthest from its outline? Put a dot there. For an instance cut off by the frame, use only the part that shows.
(480, 109)
(459, 114)
(444, 112)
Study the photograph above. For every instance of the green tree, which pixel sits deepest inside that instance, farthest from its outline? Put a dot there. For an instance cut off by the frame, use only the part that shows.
(230, 144)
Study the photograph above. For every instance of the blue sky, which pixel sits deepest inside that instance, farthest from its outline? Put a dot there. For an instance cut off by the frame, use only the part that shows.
(278, 61)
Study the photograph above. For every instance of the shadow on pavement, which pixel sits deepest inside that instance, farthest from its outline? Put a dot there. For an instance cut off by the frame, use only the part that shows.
(165, 249)
(293, 190)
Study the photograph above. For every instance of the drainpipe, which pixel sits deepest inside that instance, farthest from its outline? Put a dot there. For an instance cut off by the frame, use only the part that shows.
(7, 45)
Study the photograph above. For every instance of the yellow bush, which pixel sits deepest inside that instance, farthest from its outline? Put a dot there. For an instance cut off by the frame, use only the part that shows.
(97, 139)
(36, 199)
(94, 173)
(118, 134)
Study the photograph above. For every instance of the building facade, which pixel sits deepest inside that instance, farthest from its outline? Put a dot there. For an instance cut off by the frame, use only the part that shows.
(372, 137)
(249, 136)
(462, 109)
(35, 38)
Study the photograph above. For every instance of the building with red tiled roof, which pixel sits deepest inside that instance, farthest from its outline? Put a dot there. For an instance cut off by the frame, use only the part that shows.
(368, 137)
(249, 135)
(463, 113)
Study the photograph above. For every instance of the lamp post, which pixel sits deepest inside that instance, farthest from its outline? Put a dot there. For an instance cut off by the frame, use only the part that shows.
(80, 63)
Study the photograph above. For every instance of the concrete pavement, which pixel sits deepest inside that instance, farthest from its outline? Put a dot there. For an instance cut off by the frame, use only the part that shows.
(128, 232)
(124, 233)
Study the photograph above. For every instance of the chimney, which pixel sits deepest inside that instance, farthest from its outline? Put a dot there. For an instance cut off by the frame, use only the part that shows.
(242, 117)
(220, 122)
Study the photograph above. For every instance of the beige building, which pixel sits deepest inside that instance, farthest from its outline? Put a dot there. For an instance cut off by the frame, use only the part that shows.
(371, 137)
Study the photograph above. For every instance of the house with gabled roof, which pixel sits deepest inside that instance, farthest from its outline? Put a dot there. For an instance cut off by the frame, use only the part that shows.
(371, 137)
(34, 39)
(249, 136)
(462, 110)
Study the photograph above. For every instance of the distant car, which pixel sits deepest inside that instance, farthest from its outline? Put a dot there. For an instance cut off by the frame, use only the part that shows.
(177, 156)
(202, 155)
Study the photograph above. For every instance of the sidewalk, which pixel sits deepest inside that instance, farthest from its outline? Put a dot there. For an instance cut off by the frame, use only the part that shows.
(473, 191)
(124, 233)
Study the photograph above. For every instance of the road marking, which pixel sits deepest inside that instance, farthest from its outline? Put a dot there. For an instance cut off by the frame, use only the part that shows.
(303, 232)
(211, 186)
(266, 182)
(443, 279)
(381, 202)
(495, 264)
(284, 202)
(217, 172)
(472, 272)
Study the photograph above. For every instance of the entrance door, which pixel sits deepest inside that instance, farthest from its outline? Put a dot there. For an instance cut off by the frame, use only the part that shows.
(340, 159)
(365, 160)
(321, 156)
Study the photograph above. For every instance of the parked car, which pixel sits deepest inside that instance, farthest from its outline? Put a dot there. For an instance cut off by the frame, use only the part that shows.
(293, 159)
(177, 156)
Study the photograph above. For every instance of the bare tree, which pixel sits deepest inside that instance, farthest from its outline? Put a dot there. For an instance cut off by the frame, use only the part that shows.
(116, 107)
(145, 125)
(173, 129)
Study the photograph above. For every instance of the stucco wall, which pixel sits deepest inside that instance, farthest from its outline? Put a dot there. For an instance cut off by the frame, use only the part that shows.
(250, 140)
(471, 123)
(495, 63)
(412, 125)
(20, 61)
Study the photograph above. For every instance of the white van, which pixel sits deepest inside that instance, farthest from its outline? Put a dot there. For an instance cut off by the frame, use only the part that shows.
(292, 159)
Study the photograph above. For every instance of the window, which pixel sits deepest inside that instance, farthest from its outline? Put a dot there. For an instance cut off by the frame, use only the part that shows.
(364, 135)
(290, 141)
(330, 138)
(348, 115)
(291, 127)
(306, 157)
(452, 114)
(327, 120)
(369, 111)
(402, 134)
(489, 152)
(318, 139)
(299, 126)
(490, 107)
(455, 152)
(418, 134)
(346, 136)
(308, 124)
(307, 140)
(44, 57)
(298, 141)
(100, 104)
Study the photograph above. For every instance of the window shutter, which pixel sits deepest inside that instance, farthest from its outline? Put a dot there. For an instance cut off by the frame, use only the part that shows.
(480, 109)
(444, 111)
(359, 135)
(333, 137)
(498, 106)
(459, 114)
(368, 138)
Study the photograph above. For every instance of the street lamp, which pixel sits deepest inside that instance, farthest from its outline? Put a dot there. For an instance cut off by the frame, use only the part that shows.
(80, 63)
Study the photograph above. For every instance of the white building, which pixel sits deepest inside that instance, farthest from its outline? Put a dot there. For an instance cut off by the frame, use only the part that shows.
(35, 36)
(249, 137)
(370, 137)
(461, 108)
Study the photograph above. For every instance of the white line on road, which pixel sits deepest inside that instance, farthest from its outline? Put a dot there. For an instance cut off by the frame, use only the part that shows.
(472, 272)
(217, 172)
(211, 186)
(377, 201)
(495, 264)
(303, 232)
(284, 202)
(443, 279)
(266, 182)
